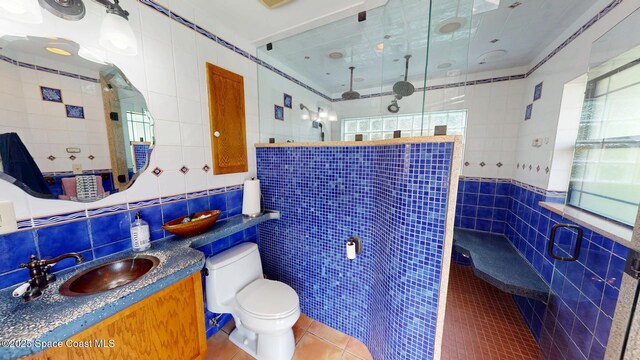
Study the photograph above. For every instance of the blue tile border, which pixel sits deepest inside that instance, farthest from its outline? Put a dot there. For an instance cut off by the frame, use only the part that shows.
(98, 211)
(191, 25)
(48, 70)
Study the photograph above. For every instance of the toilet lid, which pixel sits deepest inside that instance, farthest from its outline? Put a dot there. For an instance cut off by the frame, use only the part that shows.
(268, 299)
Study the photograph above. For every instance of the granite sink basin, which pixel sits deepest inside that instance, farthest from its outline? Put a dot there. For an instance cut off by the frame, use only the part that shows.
(108, 276)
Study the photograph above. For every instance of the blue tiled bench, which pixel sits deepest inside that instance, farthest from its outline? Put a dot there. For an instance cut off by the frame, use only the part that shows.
(497, 262)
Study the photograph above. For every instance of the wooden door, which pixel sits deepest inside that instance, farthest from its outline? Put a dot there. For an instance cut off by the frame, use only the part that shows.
(226, 114)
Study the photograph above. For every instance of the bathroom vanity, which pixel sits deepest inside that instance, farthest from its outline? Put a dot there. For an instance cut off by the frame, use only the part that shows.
(167, 325)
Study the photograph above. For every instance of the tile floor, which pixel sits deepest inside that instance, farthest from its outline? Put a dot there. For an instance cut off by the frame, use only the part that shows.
(314, 341)
(482, 322)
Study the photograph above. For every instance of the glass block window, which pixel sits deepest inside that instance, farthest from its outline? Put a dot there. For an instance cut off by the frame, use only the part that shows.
(605, 177)
(140, 127)
(382, 127)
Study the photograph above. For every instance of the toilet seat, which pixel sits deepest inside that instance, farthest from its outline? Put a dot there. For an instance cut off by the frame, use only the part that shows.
(267, 299)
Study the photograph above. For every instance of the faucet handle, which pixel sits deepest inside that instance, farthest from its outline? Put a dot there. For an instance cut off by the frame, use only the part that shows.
(33, 262)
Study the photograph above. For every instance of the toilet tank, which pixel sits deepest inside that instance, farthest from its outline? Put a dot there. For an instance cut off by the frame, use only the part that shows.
(229, 272)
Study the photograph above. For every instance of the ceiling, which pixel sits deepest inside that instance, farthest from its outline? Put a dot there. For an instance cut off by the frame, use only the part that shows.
(254, 22)
(523, 32)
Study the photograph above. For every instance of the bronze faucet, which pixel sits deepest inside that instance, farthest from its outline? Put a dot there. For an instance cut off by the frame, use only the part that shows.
(39, 272)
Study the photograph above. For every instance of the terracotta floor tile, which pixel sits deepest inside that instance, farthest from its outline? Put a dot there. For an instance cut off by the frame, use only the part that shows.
(312, 347)
(332, 335)
(241, 355)
(219, 347)
(298, 332)
(349, 356)
(482, 322)
(357, 348)
(304, 321)
(228, 328)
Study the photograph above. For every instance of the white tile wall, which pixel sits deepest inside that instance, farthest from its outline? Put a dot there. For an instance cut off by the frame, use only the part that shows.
(170, 71)
(44, 127)
(564, 67)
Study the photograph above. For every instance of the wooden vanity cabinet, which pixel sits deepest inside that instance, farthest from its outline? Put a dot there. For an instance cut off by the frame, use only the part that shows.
(167, 325)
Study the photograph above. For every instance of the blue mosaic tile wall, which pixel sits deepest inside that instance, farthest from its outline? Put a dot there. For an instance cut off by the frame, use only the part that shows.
(576, 322)
(394, 197)
(100, 235)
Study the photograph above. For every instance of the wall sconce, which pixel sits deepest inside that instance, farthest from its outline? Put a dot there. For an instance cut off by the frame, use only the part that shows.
(116, 34)
(26, 11)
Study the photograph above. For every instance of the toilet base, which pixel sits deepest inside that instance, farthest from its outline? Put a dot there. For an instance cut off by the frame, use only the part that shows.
(278, 346)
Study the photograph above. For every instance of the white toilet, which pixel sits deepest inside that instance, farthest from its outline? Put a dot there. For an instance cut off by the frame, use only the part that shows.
(264, 310)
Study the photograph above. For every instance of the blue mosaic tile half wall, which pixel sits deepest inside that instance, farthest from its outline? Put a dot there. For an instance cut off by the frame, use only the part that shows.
(394, 197)
(102, 232)
(575, 323)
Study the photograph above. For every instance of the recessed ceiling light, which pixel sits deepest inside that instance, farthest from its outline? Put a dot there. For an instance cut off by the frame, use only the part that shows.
(380, 47)
(336, 54)
(491, 56)
(58, 51)
(328, 73)
(387, 37)
(451, 25)
(307, 57)
(494, 41)
(396, 60)
(358, 79)
(515, 5)
(445, 65)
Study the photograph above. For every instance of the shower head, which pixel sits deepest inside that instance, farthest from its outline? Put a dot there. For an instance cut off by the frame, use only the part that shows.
(393, 108)
(351, 95)
(404, 88)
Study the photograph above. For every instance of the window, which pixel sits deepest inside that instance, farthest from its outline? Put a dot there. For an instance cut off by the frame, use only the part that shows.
(382, 127)
(139, 126)
(605, 178)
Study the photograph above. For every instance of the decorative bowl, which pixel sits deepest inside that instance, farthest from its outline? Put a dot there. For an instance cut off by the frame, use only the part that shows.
(193, 227)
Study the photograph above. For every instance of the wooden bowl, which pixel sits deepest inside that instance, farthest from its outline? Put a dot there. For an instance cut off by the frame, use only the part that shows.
(193, 227)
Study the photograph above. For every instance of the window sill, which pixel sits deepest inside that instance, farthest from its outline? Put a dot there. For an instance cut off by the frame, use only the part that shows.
(610, 229)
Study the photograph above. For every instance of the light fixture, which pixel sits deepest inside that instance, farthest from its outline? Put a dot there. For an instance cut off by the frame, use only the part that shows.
(323, 114)
(25, 11)
(451, 25)
(58, 51)
(66, 9)
(491, 56)
(379, 48)
(115, 33)
(308, 115)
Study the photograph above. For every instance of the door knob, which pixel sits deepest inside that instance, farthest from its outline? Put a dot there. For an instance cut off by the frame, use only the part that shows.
(216, 134)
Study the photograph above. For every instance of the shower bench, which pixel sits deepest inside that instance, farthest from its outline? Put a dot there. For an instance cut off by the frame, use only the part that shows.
(496, 261)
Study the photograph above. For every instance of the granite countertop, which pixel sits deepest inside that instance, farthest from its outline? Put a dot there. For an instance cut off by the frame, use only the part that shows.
(497, 262)
(53, 317)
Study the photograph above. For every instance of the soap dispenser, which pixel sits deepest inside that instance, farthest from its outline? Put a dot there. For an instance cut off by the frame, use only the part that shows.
(140, 238)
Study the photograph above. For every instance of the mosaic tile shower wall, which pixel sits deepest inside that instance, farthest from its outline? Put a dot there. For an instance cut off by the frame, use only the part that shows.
(394, 198)
(575, 324)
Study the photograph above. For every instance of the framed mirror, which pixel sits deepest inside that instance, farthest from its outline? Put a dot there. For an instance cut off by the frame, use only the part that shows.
(71, 127)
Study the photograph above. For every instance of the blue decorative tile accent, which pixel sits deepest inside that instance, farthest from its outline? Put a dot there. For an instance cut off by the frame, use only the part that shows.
(388, 195)
(50, 94)
(288, 101)
(198, 204)
(528, 112)
(537, 92)
(278, 112)
(75, 112)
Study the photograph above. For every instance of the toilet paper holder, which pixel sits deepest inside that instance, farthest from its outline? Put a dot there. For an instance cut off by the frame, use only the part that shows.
(357, 241)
